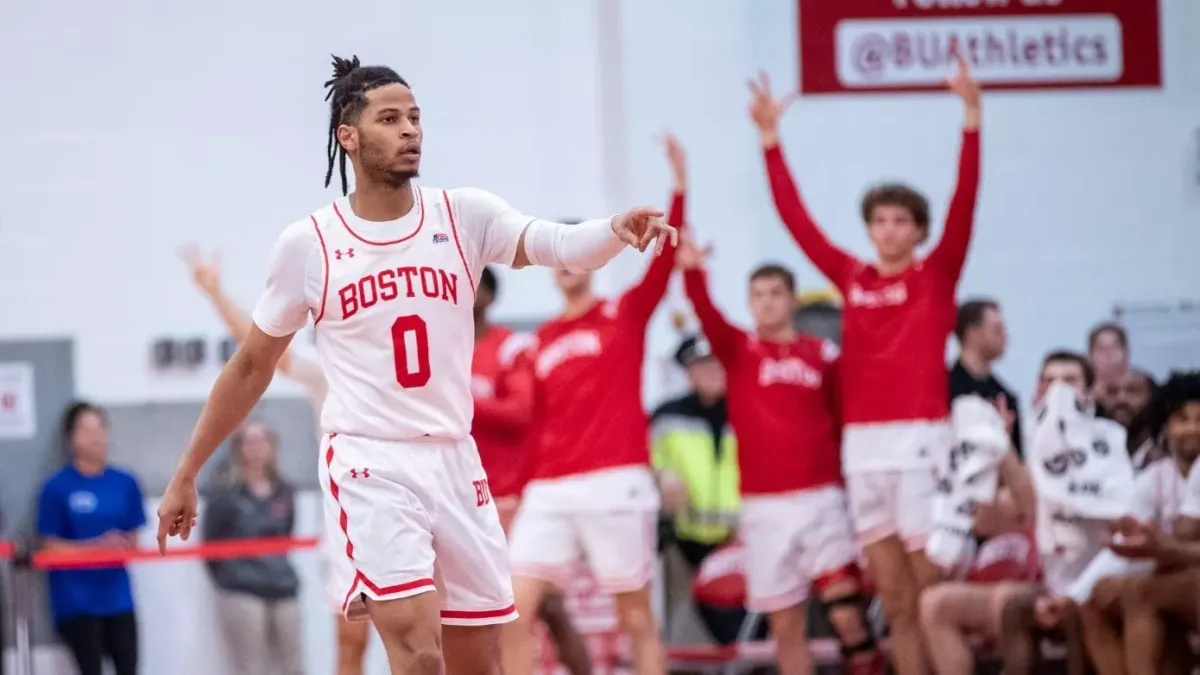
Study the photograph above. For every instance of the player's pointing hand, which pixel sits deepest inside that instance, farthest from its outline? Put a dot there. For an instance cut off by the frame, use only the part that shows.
(642, 226)
(177, 511)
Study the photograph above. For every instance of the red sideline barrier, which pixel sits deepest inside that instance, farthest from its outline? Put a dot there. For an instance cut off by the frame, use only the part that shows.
(213, 550)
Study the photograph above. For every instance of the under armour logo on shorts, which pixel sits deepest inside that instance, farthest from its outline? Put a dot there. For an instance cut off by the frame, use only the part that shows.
(355, 473)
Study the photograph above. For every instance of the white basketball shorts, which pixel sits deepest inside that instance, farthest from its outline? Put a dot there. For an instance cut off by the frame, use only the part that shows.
(890, 479)
(607, 519)
(414, 517)
(793, 539)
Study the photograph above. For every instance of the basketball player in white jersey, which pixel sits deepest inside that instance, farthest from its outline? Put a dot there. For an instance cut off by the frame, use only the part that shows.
(388, 275)
(352, 637)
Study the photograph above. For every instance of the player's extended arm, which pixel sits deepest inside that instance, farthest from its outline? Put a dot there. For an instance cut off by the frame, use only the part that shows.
(640, 301)
(591, 244)
(950, 254)
(238, 388)
(206, 274)
(238, 323)
(833, 262)
(643, 298)
(513, 410)
(765, 111)
(722, 336)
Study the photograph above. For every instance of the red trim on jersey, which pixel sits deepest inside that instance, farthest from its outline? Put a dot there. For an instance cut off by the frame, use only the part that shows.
(454, 230)
(420, 223)
(481, 614)
(325, 256)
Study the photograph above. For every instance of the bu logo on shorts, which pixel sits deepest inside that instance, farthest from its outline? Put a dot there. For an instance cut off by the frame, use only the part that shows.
(356, 473)
(483, 494)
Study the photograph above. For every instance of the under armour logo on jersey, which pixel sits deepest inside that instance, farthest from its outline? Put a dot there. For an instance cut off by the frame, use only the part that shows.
(355, 473)
(339, 254)
(440, 238)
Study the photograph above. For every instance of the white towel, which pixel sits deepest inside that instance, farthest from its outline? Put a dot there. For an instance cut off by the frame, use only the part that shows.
(967, 477)
(1080, 469)
(1190, 506)
(1105, 564)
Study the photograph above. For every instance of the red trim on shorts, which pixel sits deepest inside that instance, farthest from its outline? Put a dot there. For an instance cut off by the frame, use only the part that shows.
(325, 257)
(359, 577)
(420, 223)
(454, 230)
(848, 573)
(343, 519)
(481, 614)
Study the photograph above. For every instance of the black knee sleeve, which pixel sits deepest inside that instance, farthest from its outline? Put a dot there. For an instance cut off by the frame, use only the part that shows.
(859, 602)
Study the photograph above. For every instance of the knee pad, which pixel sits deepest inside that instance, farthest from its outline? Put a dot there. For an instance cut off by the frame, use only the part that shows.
(854, 599)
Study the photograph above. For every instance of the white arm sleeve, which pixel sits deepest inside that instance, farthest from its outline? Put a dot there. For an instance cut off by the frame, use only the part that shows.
(295, 264)
(493, 229)
(575, 248)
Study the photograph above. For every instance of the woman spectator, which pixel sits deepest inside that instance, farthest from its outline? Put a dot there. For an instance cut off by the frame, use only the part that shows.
(90, 504)
(256, 597)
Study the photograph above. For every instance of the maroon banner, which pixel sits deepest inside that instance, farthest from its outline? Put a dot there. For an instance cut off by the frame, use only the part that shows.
(851, 46)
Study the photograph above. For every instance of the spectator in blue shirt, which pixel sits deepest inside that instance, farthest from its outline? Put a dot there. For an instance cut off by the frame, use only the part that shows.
(89, 504)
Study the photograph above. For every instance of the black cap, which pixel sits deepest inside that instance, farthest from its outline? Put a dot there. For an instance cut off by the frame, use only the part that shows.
(692, 349)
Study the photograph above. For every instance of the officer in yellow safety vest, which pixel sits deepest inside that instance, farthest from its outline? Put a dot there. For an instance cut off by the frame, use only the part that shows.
(695, 454)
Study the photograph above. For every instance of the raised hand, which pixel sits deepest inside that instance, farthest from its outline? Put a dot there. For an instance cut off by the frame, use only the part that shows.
(206, 274)
(691, 256)
(677, 158)
(641, 226)
(963, 84)
(765, 109)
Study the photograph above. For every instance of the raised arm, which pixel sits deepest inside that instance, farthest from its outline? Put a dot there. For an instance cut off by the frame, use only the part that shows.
(498, 233)
(722, 336)
(206, 274)
(950, 254)
(765, 111)
(282, 310)
(640, 301)
(512, 408)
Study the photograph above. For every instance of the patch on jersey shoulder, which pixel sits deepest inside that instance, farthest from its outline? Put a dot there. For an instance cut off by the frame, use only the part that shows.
(440, 238)
(829, 350)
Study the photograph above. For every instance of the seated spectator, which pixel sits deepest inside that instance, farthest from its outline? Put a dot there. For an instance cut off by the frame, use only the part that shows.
(1108, 351)
(89, 504)
(256, 597)
(1128, 407)
(1067, 543)
(1143, 593)
(695, 455)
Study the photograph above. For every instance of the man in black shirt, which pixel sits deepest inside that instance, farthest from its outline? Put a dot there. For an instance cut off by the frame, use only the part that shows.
(981, 341)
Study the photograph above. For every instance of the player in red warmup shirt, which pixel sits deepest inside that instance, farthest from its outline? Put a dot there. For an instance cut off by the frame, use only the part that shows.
(896, 318)
(388, 275)
(794, 522)
(502, 386)
(593, 495)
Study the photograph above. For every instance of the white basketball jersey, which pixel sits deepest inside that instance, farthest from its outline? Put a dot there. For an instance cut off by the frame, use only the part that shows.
(396, 330)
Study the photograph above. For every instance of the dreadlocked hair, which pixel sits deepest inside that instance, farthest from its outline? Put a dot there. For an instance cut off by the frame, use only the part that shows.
(1181, 388)
(347, 98)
